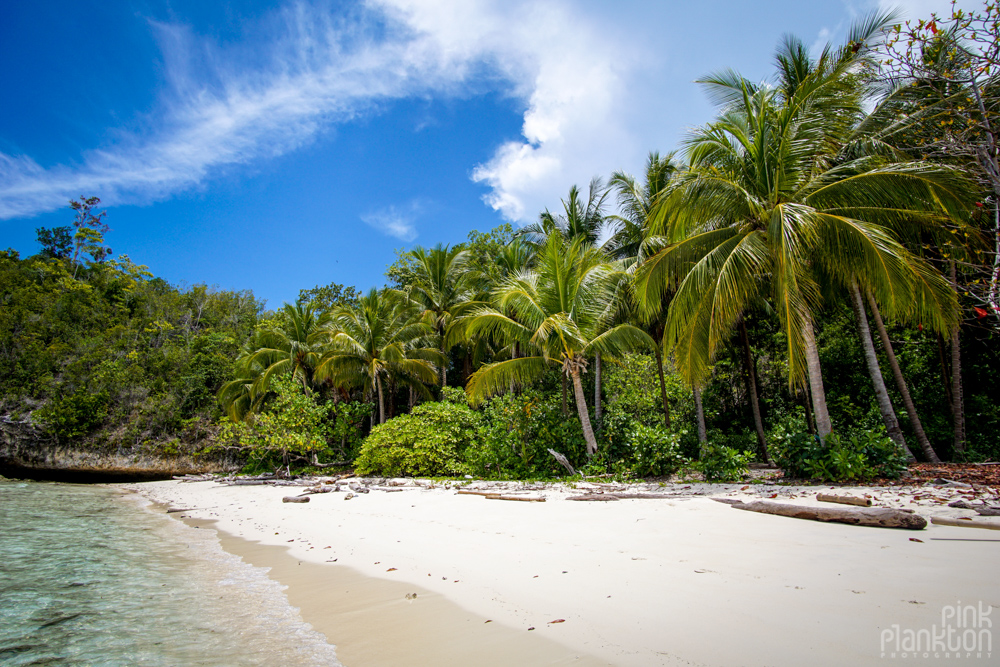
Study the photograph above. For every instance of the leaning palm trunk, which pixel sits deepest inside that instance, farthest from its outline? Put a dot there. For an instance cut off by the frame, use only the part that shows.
(957, 398)
(574, 367)
(904, 390)
(598, 404)
(881, 395)
(822, 416)
(751, 380)
(700, 411)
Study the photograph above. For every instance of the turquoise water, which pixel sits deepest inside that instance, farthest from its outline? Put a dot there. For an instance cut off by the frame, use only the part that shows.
(89, 577)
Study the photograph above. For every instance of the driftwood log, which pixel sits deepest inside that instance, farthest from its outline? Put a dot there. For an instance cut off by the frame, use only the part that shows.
(875, 517)
(595, 497)
(471, 492)
(844, 500)
(563, 461)
(964, 523)
(523, 499)
(295, 499)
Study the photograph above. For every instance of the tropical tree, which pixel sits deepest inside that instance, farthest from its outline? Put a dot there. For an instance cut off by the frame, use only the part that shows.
(291, 343)
(560, 309)
(444, 288)
(383, 337)
(770, 201)
(578, 220)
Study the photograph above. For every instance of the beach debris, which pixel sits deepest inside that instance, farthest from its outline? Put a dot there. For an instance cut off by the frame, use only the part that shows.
(190, 509)
(562, 460)
(523, 499)
(875, 517)
(949, 483)
(391, 569)
(982, 510)
(295, 499)
(558, 620)
(598, 497)
(413, 596)
(964, 523)
(531, 628)
(913, 539)
(487, 621)
(844, 500)
(348, 496)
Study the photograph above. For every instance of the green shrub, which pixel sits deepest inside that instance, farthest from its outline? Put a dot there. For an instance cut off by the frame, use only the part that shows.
(723, 464)
(430, 441)
(516, 433)
(860, 456)
(655, 451)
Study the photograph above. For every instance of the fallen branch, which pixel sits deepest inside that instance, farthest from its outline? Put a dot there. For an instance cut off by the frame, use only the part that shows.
(563, 461)
(876, 517)
(964, 523)
(523, 499)
(844, 500)
(597, 497)
(295, 499)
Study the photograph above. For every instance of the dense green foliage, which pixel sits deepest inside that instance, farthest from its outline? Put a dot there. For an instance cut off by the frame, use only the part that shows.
(430, 441)
(114, 357)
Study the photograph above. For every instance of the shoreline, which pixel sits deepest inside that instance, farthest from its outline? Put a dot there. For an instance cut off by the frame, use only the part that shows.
(682, 581)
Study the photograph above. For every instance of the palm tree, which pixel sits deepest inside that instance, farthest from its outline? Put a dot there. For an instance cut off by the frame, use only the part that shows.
(292, 344)
(636, 202)
(560, 309)
(769, 200)
(578, 220)
(444, 288)
(382, 337)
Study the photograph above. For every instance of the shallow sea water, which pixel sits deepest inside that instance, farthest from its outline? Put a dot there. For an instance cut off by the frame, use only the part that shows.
(88, 577)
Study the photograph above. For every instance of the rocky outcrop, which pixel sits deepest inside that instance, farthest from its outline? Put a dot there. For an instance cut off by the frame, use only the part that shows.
(27, 452)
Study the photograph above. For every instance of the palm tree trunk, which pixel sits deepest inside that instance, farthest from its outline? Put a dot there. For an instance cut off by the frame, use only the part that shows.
(823, 425)
(751, 381)
(381, 400)
(945, 376)
(881, 395)
(513, 355)
(663, 388)
(598, 404)
(565, 403)
(956, 376)
(904, 390)
(806, 401)
(700, 412)
(581, 408)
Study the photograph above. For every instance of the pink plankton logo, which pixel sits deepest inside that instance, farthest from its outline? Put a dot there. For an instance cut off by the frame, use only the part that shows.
(965, 633)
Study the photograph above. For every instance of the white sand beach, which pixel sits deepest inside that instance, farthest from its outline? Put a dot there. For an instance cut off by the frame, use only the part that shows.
(679, 581)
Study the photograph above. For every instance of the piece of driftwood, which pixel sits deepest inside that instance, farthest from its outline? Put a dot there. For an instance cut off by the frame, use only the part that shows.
(594, 497)
(318, 489)
(964, 523)
(295, 499)
(190, 509)
(982, 510)
(844, 500)
(879, 517)
(646, 496)
(387, 489)
(523, 499)
(563, 461)
(251, 482)
(472, 492)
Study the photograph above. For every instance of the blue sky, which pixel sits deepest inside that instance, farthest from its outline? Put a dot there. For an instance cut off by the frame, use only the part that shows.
(277, 146)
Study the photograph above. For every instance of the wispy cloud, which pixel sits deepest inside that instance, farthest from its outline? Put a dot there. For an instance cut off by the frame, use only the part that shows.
(393, 221)
(226, 106)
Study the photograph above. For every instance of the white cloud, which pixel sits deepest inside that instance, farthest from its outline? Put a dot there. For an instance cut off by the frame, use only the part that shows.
(395, 222)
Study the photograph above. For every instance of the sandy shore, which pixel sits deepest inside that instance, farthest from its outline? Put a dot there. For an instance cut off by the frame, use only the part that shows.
(680, 581)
